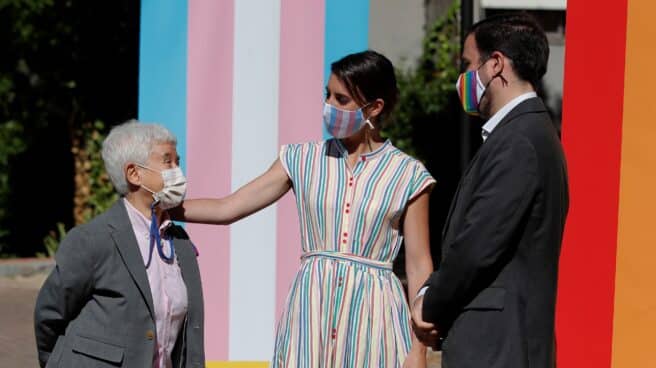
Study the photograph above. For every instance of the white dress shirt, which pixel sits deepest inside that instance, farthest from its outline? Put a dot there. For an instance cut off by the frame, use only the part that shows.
(499, 115)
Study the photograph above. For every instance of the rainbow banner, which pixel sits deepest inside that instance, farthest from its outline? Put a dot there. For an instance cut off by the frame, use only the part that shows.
(234, 80)
(606, 315)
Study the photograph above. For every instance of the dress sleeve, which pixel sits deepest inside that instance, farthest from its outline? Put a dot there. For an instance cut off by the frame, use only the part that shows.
(421, 180)
(289, 159)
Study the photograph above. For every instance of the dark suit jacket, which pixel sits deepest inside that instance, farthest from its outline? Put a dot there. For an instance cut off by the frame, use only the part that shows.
(96, 308)
(494, 295)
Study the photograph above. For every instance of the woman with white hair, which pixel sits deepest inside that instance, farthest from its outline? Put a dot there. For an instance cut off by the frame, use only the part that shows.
(126, 289)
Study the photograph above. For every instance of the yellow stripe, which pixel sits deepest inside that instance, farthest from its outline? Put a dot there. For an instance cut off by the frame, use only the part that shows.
(237, 364)
(635, 294)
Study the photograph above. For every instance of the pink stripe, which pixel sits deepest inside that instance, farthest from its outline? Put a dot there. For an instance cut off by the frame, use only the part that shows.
(301, 102)
(351, 122)
(209, 129)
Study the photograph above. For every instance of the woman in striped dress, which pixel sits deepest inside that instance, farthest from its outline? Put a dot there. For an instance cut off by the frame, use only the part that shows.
(358, 199)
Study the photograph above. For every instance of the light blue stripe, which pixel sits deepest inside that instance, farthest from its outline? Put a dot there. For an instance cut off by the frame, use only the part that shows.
(347, 31)
(163, 67)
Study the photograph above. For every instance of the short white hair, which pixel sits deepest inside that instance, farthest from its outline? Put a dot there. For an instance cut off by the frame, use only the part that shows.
(131, 141)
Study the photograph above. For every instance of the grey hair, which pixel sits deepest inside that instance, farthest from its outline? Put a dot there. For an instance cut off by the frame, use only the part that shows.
(131, 141)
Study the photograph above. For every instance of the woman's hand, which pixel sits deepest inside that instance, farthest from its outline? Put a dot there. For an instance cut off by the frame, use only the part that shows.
(416, 357)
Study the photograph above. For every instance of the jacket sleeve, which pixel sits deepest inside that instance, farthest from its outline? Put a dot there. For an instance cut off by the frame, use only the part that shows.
(500, 201)
(66, 290)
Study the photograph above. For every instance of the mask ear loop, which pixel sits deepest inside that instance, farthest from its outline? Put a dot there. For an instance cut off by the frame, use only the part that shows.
(504, 81)
(498, 75)
(367, 120)
(156, 198)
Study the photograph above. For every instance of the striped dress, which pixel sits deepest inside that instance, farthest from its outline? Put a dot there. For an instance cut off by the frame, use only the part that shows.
(345, 307)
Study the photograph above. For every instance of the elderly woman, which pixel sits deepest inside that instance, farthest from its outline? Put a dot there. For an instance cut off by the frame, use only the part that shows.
(126, 289)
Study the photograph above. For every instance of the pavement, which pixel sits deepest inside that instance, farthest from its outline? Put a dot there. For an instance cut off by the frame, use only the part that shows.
(17, 297)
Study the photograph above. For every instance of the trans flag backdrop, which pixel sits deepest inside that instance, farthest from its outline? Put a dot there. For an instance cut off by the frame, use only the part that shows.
(235, 79)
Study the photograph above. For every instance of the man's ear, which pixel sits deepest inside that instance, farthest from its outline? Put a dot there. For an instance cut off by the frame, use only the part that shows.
(498, 61)
(132, 174)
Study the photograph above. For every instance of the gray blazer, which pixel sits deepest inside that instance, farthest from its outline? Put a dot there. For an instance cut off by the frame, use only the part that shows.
(96, 308)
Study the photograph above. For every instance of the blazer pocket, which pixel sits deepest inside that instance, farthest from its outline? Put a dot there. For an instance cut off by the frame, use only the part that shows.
(98, 349)
(492, 298)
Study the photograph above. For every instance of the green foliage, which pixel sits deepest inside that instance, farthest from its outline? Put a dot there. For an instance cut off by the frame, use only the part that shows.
(52, 240)
(94, 192)
(11, 143)
(22, 105)
(64, 64)
(424, 91)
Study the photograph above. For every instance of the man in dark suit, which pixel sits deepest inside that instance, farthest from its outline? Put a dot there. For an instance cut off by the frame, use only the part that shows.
(126, 288)
(492, 301)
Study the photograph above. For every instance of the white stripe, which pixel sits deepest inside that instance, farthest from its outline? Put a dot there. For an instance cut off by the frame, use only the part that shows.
(254, 148)
(344, 119)
(525, 4)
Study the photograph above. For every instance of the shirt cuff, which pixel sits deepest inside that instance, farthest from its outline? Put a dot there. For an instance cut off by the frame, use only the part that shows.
(421, 293)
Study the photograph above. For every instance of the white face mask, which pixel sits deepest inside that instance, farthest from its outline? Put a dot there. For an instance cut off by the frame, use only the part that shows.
(174, 190)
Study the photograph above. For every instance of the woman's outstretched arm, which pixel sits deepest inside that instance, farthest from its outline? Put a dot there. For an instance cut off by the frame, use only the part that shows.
(252, 197)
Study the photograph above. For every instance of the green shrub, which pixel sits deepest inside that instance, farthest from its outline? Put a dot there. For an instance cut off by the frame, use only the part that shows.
(424, 91)
(94, 192)
(11, 143)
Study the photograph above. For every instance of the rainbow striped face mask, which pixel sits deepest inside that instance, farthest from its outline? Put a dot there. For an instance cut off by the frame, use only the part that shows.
(470, 90)
(343, 123)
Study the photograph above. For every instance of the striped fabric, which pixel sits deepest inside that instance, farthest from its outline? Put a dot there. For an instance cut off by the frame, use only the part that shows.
(467, 89)
(342, 123)
(346, 308)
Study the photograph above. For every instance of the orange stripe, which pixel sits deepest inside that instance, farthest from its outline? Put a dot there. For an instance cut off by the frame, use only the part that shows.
(635, 295)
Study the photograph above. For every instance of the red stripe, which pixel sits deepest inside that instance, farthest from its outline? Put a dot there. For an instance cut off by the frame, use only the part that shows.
(592, 125)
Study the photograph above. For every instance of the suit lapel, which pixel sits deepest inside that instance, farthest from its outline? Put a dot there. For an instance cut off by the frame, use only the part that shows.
(528, 106)
(182, 257)
(127, 245)
(455, 196)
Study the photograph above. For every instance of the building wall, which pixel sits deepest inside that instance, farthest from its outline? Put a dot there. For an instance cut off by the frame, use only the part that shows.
(396, 29)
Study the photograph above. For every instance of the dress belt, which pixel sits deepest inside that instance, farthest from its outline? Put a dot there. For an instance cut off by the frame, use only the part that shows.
(348, 257)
